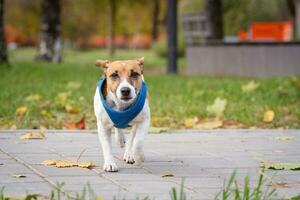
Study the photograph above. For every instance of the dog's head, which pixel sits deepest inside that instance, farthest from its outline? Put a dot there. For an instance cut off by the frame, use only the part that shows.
(123, 78)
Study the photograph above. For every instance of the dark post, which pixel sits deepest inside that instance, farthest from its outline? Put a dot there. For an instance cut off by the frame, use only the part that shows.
(155, 13)
(3, 54)
(172, 36)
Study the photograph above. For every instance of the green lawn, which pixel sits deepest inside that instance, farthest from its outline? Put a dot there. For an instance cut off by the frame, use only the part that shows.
(173, 98)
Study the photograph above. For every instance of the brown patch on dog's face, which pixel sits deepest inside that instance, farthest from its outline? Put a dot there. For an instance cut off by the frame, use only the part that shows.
(124, 70)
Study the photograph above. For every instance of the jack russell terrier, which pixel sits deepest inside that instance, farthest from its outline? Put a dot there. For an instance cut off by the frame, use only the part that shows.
(121, 101)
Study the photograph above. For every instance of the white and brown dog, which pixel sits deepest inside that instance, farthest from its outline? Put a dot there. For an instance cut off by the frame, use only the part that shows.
(119, 90)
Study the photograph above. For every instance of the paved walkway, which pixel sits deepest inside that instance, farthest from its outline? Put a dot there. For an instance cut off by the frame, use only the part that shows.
(204, 158)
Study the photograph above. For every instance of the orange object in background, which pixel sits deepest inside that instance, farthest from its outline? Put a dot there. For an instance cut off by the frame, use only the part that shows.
(268, 32)
(242, 36)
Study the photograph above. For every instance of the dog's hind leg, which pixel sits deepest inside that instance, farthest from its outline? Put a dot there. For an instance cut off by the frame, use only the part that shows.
(120, 137)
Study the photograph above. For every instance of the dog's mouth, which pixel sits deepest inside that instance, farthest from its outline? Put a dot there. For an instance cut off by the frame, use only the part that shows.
(126, 98)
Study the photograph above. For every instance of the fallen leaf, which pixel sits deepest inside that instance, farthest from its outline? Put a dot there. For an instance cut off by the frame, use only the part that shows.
(68, 163)
(49, 162)
(46, 114)
(269, 116)
(284, 138)
(73, 85)
(281, 166)
(218, 107)
(216, 123)
(32, 135)
(158, 129)
(65, 163)
(61, 98)
(250, 86)
(18, 175)
(72, 109)
(77, 125)
(190, 122)
(99, 198)
(21, 110)
(167, 174)
(85, 164)
(33, 97)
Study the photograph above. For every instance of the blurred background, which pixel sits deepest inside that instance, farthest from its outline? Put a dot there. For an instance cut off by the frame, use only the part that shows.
(216, 47)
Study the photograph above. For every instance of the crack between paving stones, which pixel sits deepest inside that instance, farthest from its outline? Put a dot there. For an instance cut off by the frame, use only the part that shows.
(51, 183)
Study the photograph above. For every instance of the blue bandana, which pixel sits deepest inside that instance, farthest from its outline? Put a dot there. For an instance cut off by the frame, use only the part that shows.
(121, 119)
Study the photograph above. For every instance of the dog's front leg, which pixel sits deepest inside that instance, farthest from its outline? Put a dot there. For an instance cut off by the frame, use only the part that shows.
(104, 135)
(138, 142)
(128, 155)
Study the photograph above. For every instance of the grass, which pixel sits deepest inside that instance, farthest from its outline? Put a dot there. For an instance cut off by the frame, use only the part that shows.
(231, 190)
(172, 98)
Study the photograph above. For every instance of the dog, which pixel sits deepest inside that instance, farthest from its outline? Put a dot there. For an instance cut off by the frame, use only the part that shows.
(121, 100)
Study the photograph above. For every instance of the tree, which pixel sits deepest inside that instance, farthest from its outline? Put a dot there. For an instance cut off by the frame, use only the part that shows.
(3, 53)
(172, 36)
(50, 48)
(213, 9)
(111, 26)
(155, 14)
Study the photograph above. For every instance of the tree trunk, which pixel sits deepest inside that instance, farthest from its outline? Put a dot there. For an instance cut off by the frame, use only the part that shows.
(111, 26)
(297, 19)
(155, 14)
(172, 36)
(3, 53)
(50, 40)
(213, 9)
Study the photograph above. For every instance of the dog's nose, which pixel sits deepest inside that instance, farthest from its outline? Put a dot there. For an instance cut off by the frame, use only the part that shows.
(125, 91)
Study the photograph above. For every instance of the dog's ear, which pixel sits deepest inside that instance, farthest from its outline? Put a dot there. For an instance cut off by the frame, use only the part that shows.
(102, 63)
(141, 61)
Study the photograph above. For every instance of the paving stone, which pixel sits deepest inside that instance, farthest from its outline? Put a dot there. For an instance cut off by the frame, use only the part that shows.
(203, 158)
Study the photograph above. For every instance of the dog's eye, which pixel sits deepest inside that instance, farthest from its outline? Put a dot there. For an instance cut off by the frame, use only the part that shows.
(114, 75)
(134, 75)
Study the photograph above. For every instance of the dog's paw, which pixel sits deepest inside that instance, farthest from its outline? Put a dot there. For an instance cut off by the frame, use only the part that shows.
(139, 158)
(128, 158)
(110, 167)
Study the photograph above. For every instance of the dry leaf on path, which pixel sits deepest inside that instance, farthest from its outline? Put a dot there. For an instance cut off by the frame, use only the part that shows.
(18, 175)
(32, 135)
(68, 163)
(21, 110)
(249, 87)
(284, 138)
(218, 107)
(33, 97)
(215, 123)
(281, 166)
(269, 116)
(167, 174)
(158, 129)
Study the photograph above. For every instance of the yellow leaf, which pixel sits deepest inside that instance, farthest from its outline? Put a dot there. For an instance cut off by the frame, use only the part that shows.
(167, 174)
(99, 198)
(284, 138)
(190, 122)
(49, 162)
(72, 109)
(61, 98)
(32, 135)
(46, 113)
(73, 85)
(33, 97)
(68, 163)
(269, 116)
(65, 163)
(85, 164)
(216, 123)
(218, 107)
(251, 86)
(21, 110)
